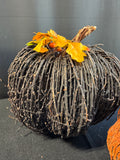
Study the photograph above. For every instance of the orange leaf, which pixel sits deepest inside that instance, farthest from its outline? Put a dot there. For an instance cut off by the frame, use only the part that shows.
(39, 36)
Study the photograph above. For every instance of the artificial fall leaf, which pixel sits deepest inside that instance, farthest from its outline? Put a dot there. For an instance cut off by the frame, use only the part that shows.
(39, 36)
(61, 41)
(76, 49)
(40, 47)
(52, 33)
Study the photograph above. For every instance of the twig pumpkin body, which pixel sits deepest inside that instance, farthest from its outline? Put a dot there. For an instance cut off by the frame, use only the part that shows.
(54, 93)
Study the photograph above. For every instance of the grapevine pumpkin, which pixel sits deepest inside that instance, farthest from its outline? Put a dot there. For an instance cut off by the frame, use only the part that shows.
(61, 86)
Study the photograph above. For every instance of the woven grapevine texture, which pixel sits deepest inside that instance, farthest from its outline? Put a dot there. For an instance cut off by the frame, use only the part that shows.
(53, 93)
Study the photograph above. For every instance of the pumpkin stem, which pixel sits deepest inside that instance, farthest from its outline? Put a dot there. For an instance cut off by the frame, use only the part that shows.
(85, 31)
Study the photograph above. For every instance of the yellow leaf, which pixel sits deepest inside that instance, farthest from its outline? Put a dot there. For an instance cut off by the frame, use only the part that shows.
(40, 47)
(76, 49)
(52, 33)
(61, 41)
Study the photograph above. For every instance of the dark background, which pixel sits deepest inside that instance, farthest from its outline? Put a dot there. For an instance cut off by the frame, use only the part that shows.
(20, 18)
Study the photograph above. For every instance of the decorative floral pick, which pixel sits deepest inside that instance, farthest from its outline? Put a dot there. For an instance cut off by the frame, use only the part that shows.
(44, 41)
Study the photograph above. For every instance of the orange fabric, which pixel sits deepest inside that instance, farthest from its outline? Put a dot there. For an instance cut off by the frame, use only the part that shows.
(113, 140)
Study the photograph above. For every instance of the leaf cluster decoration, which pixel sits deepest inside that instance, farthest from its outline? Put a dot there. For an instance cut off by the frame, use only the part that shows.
(74, 49)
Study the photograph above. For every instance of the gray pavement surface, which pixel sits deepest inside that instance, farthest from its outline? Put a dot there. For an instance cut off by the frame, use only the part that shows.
(20, 143)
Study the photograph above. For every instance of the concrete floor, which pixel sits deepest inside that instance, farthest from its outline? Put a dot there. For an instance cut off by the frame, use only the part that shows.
(20, 143)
